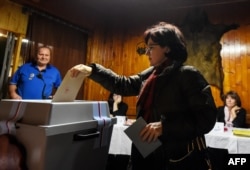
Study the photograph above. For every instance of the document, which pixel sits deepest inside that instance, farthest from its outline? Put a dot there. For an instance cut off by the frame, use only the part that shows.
(241, 132)
(133, 132)
(69, 88)
(218, 127)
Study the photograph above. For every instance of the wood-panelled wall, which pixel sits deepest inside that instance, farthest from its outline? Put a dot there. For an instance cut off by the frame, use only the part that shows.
(12, 18)
(235, 55)
(117, 51)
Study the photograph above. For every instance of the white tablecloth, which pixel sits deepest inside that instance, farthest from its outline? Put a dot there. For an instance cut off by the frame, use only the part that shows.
(120, 144)
(226, 140)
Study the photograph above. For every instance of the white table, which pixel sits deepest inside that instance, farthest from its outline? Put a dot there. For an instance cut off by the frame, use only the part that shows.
(120, 144)
(226, 140)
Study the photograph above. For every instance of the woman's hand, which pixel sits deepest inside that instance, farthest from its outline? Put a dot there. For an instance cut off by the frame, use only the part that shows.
(234, 112)
(151, 132)
(80, 68)
(117, 98)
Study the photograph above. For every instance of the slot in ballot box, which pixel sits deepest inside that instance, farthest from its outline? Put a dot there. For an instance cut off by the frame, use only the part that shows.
(60, 135)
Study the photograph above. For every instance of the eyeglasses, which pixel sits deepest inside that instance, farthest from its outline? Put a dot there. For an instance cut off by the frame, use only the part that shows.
(150, 47)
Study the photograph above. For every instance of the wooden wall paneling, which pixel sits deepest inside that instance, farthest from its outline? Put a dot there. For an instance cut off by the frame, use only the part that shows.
(247, 47)
(216, 95)
(128, 59)
(225, 54)
(135, 65)
(109, 40)
(130, 66)
(92, 90)
(129, 56)
(12, 18)
(228, 63)
(243, 56)
(118, 52)
(236, 66)
(245, 93)
(238, 63)
(232, 52)
(238, 59)
(96, 54)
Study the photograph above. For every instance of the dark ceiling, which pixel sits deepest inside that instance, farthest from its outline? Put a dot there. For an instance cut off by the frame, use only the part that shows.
(89, 13)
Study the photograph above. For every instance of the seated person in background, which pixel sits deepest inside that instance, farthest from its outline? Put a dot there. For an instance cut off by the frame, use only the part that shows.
(116, 106)
(35, 80)
(232, 114)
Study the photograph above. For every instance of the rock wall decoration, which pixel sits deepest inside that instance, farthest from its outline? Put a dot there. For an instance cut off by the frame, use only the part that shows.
(203, 44)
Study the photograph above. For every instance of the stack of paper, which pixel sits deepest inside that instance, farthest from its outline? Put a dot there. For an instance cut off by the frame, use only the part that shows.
(241, 132)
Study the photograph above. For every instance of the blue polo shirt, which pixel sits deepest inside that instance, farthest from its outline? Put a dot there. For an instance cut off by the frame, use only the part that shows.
(33, 84)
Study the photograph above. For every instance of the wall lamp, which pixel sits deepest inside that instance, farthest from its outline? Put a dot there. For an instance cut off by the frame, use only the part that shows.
(141, 48)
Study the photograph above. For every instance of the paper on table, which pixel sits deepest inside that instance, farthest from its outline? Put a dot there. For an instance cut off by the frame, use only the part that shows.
(241, 132)
(218, 127)
(133, 132)
(69, 88)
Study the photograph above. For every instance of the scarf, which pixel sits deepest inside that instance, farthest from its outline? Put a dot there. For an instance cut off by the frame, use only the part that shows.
(145, 98)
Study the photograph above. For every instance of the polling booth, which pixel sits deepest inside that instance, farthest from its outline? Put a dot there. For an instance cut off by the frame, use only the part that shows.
(60, 135)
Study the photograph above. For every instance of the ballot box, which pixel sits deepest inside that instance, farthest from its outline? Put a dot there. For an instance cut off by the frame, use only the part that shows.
(60, 135)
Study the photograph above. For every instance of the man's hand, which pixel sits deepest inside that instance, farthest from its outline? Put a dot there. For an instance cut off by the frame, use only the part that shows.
(12, 92)
(15, 96)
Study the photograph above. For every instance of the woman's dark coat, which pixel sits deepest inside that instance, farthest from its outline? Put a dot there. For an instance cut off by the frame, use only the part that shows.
(182, 101)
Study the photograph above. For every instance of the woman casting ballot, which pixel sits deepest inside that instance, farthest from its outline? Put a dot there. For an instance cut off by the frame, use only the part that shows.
(175, 100)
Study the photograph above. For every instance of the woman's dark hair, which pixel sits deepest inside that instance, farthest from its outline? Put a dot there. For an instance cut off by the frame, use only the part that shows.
(234, 95)
(110, 99)
(166, 34)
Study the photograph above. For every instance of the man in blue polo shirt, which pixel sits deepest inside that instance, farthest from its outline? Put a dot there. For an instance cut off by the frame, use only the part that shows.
(35, 80)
